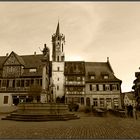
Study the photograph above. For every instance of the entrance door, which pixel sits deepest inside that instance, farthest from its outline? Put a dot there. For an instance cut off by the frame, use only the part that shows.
(88, 101)
(15, 100)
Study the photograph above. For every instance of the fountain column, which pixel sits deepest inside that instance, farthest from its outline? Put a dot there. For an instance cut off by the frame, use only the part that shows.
(45, 75)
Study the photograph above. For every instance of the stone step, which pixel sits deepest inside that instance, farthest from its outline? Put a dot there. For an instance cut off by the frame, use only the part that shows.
(29, 117)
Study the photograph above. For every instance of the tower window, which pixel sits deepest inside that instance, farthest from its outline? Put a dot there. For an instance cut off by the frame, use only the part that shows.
(90, 86)
(57, 58)
(57, 87)
(58, 68)
(57, 79)
(62, 47)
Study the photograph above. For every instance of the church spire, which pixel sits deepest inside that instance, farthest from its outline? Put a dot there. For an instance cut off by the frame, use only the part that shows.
(57, 30)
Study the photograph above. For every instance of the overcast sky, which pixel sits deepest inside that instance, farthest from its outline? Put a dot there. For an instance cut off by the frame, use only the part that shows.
(93, 31)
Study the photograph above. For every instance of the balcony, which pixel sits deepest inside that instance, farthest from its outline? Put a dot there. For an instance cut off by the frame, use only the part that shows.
(13, 89)
(75, 83)
(74, 93)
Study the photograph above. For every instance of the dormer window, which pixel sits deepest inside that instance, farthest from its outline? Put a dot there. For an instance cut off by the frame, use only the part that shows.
(106, 76)
(32, 70)
(92, 77)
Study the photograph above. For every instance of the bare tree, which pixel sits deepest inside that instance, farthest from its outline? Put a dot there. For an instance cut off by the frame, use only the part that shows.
(35, 91)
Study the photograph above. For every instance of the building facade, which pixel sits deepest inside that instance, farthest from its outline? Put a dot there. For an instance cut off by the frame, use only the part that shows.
(17, 74)
(86, 83)
(103, 89)
(75, 82)
(129, 99)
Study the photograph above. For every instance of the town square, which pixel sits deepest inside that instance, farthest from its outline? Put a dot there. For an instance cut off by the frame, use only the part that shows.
(69, 70)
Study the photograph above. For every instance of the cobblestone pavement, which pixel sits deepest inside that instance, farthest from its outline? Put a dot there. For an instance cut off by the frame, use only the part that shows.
(85, 127)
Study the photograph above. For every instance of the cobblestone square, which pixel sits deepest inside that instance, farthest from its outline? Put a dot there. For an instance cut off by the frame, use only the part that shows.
(86, 127)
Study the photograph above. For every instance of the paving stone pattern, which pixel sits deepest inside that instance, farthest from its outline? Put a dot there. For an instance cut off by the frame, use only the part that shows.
(86, 127)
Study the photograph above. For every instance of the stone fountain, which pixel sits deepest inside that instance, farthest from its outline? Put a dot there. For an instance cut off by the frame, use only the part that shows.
(47, 109)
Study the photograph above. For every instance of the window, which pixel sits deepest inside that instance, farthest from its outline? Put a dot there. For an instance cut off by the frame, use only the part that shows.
(17, 83)
(101, 87)
(57, 79)
(5, 100)
(13, 83)
(32, 70)
(92, 77)
(27, 83)
(101, 102)
(93, 87)
(4, 83)
(57, 87)
(22, 83)
(106, 76)
(62, 47)
(62, 58)
(95, 102)
(90, 87)
(78, 78)
(58, 68)
(114, 87)
(7, 84)
(57, 58)
(107, 87)
(10, 83)
(116, 102)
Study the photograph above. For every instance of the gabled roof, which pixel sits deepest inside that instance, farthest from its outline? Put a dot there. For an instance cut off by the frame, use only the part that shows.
(18, 58)
(32, 61)
(100, 69)
(74, 68)
(2, 60)
(130, 95)
(28, 62)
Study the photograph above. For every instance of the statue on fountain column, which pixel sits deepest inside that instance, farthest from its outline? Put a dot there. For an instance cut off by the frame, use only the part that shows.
(46, 52)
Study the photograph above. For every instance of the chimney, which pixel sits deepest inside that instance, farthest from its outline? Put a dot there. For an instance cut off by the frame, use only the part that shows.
(34, 53)
(107, 59)
(45, 45)
(7, 54)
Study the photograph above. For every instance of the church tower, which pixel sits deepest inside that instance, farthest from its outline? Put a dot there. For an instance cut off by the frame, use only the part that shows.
(58, 41)
(58, 57)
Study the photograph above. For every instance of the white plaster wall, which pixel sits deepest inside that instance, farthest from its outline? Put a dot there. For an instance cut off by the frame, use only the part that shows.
(58, 74)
